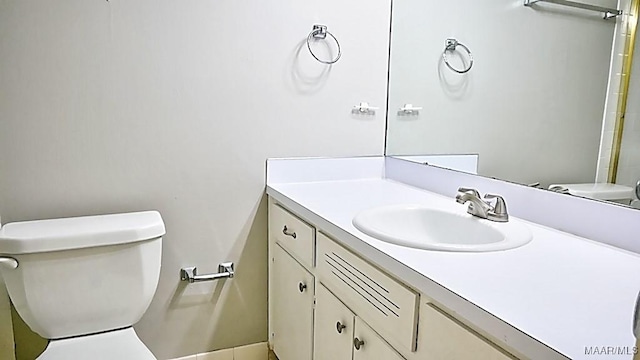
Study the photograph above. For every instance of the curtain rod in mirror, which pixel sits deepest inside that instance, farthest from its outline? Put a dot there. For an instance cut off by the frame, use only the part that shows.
(608, 12)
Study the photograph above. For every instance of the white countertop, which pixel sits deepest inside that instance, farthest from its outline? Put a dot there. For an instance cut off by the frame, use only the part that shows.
(564, 291)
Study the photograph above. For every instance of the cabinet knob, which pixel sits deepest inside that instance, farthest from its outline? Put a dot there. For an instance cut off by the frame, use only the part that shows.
(302, 286)
(357, 343)
(340, 327)
(288, 233)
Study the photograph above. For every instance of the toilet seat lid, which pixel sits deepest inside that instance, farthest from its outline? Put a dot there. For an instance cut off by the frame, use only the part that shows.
(79, 232)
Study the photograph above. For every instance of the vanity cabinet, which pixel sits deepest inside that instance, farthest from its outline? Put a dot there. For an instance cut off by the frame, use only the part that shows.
(328, 303)
(341, 335)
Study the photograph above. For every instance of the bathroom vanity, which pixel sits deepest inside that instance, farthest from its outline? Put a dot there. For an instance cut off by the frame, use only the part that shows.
(344, 293)
(336, 293)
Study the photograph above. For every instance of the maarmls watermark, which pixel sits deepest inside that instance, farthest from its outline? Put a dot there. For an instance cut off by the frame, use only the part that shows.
(610, 350)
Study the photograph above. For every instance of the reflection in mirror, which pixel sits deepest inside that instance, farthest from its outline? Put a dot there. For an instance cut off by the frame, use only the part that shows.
(540, 104)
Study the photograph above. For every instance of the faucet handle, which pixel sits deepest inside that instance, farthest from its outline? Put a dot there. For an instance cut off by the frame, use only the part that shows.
(469, 190)
(501, 206)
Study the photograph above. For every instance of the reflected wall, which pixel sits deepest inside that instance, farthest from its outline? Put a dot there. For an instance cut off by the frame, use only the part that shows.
(533, 103)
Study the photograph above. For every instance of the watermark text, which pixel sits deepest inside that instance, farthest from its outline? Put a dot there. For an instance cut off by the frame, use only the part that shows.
(610, 350)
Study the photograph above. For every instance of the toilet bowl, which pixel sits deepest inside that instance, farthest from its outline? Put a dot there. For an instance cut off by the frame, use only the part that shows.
(600, 191)
(84, 282)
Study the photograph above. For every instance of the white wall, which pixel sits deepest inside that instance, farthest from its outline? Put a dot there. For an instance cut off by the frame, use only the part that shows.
(532, 104)
(175, 105)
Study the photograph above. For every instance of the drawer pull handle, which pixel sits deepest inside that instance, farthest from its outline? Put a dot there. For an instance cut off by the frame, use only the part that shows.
(357, 343)
(288, 233)
(302, 286)
(340, 327)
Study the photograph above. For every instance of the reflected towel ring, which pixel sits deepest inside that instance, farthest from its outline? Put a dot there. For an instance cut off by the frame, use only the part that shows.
(450, 45)
(320, 32)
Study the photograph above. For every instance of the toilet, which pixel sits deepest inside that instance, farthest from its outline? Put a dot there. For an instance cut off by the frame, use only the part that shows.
(600, 191)
(83, 282)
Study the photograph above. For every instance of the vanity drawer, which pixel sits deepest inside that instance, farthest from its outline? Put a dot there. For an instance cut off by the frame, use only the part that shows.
(389, 306)
(443, 337)
(291, 233)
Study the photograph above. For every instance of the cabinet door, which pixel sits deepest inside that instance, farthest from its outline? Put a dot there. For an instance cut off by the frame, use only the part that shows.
(292, 305)
(443, 337)
(367, 345)
(333, 327)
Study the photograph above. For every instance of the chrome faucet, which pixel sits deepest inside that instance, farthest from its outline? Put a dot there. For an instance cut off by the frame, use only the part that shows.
(481, 208)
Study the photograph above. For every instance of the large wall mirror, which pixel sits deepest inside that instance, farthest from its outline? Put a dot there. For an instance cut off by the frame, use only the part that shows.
(544, 101)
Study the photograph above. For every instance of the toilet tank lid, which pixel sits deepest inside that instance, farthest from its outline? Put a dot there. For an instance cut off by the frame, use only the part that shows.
(79, 232)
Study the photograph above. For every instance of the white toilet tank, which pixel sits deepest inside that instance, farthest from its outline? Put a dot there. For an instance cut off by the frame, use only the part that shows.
(83, 275)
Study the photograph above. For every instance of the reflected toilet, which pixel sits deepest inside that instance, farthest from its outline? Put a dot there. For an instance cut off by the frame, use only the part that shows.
(600, 191)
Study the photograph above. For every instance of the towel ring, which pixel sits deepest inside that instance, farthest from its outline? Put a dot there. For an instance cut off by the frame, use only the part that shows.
(451, 45)
(320, 32)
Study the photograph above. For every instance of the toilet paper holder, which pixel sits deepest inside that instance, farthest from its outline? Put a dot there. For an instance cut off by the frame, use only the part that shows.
(190, 274)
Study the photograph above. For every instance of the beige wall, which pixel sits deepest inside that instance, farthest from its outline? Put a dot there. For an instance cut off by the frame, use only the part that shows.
(28, 345)
(6, 325)
(175, 105)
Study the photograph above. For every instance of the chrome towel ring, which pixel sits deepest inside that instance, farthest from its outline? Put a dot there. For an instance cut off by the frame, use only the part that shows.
(451, 45)
(320, 32)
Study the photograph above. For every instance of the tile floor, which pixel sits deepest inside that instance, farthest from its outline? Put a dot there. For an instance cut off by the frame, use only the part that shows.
(257, 351)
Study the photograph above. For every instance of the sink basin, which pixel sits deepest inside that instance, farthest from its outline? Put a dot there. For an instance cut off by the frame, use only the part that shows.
(432, 229)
